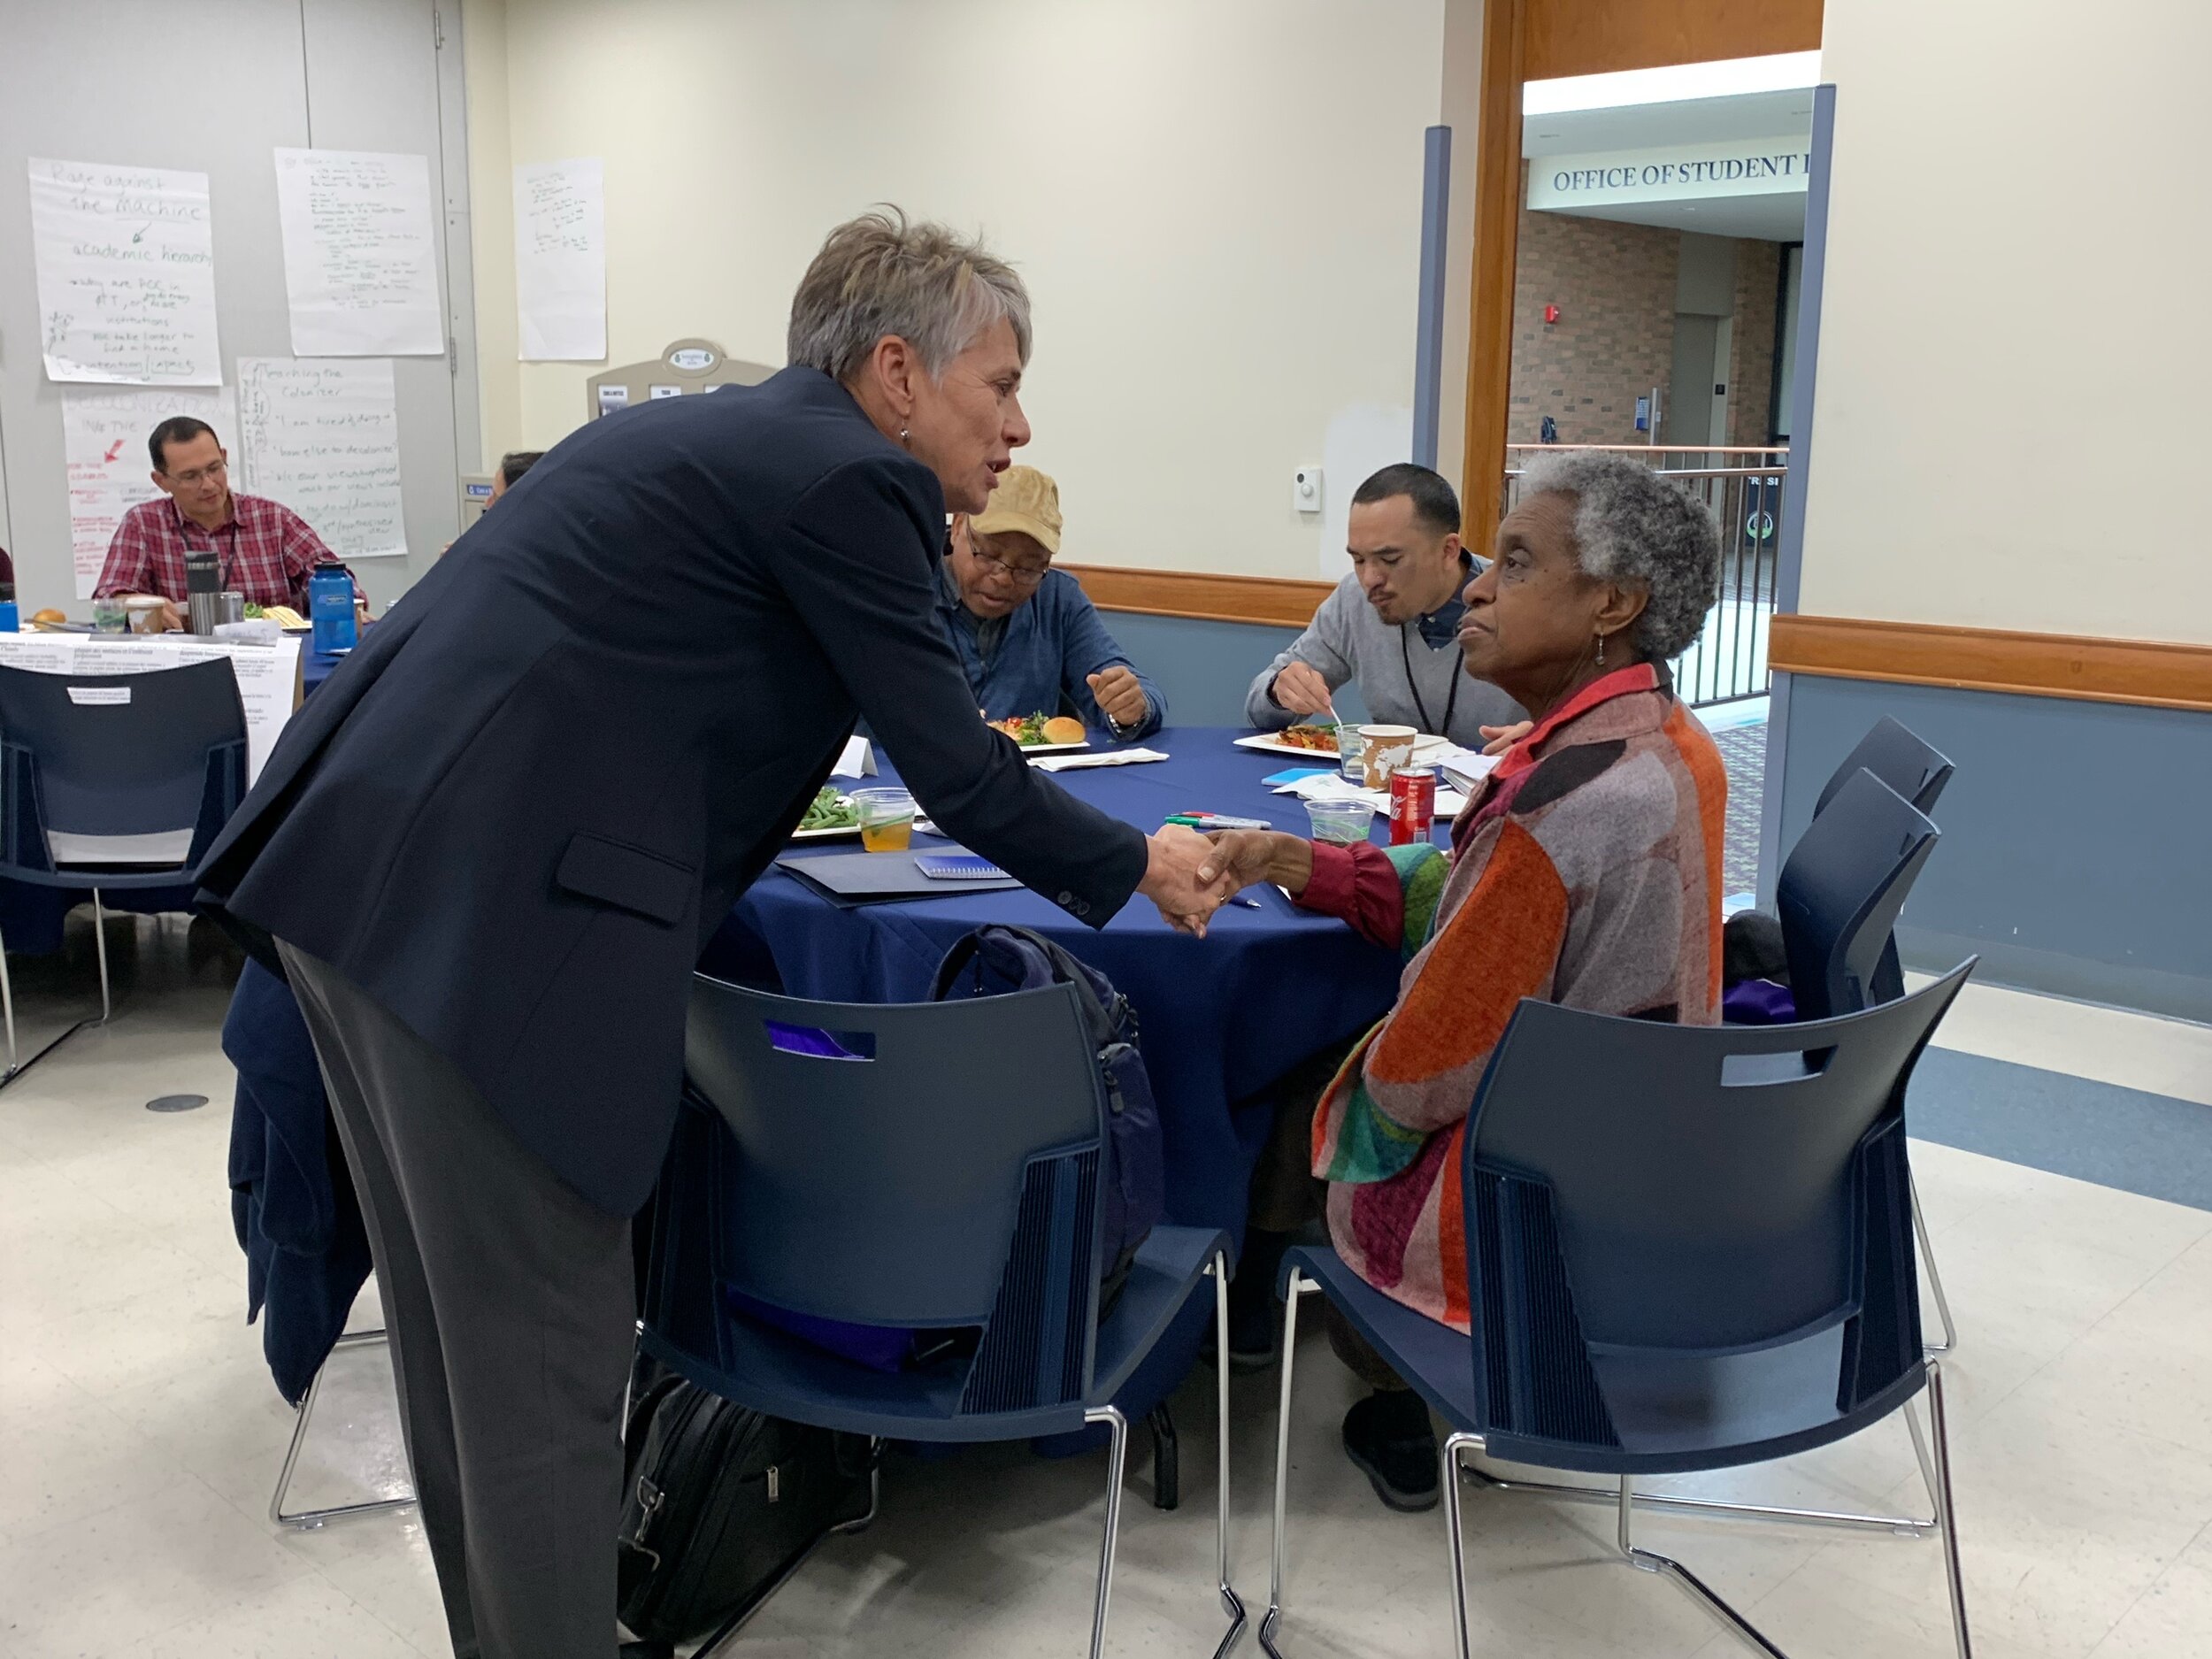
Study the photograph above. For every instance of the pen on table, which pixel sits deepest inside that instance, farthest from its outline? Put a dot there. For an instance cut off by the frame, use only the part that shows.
(1249, 905)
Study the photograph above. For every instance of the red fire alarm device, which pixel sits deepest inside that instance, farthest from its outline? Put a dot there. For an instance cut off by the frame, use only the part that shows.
(1551, 313)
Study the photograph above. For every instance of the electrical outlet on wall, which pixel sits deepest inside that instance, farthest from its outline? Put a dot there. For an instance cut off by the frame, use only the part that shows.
(1305, 489)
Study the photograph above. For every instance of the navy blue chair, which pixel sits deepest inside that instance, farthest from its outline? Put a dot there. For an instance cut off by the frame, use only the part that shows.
(1838, 897)
(929, 1167)
(112, 781)
(1901, 759)
(1688, 1248)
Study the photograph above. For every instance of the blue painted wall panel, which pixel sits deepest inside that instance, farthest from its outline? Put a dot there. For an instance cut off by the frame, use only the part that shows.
(2077, 851)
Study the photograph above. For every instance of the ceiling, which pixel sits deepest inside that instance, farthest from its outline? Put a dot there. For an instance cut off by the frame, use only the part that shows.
(1686, 121)
(1782, 114)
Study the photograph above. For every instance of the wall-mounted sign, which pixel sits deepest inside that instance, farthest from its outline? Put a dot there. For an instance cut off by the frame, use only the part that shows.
(1764, 166)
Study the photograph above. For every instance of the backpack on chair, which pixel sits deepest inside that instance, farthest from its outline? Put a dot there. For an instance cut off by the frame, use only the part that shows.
(994, 960)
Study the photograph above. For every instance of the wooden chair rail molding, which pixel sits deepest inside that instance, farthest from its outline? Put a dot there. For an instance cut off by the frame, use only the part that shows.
(2151, 672)
(1282, 602)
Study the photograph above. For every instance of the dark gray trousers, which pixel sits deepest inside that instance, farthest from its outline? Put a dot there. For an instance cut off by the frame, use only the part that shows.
(512, 1310)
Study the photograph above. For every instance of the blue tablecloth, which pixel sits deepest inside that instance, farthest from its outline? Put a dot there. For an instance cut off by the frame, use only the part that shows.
(1221, 1017)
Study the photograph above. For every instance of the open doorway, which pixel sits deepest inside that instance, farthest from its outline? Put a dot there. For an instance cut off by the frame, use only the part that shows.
(1654, 313)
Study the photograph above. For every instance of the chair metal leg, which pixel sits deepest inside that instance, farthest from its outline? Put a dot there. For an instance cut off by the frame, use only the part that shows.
(1272, 1620)
(16, 1065)
(1230, 1603)
(1453, 1445)
(1934, 1279)
(1699, 1590)
(7, 1006)
(1901, 1526)
(1955, 1580)
(99, 948)
(1117, 1455)
(307, 1520)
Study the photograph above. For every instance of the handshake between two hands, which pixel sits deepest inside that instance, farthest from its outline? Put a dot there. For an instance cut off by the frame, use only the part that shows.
(1190, 876)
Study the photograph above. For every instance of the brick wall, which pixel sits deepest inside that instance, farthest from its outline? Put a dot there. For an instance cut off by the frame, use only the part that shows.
(1615, 288)
(1614, 285)
(1751, 346)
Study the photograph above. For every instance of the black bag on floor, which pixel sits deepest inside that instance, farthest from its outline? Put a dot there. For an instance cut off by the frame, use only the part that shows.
(719, 1503)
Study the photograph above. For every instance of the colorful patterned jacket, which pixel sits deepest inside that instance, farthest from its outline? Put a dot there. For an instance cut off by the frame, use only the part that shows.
(1586, 871)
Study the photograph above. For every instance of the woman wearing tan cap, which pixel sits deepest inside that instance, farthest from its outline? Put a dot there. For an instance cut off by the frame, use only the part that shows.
(1028, 635)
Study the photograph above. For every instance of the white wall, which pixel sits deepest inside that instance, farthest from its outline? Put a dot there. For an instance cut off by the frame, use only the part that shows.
(2015, 347)
(1216, 207)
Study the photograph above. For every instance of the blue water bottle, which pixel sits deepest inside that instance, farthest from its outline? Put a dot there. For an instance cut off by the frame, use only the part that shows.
(330, 607)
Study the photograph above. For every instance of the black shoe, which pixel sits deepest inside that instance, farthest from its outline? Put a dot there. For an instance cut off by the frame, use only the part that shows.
(1388, 1437)
(1256, 1314)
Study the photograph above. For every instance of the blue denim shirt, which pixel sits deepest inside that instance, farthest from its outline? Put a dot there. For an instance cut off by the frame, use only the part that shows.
(1044, 652)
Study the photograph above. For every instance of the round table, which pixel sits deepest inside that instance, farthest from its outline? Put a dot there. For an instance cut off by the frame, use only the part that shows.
(1221, 1017)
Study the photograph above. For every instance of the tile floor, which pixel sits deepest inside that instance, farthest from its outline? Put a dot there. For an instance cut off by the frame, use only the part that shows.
(140, 1436)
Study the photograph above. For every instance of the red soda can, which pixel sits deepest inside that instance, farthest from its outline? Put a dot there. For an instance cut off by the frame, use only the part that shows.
(1412, 806)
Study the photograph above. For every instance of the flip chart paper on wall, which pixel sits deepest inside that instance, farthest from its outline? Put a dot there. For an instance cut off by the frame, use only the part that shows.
(125, 260)
(561, 260)
(268, 675)
(103, 439)
(360, 260)
(322, 437)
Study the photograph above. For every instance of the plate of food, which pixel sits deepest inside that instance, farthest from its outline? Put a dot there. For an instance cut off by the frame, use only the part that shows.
(829, 815)
(1039, 734)
(832, 814)
(1305, 739)
(1313, 742)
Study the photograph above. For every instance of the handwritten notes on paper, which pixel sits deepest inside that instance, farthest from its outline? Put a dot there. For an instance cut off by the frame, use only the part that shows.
(360, 260)
(125, 260)
(268, 675)
(103, 439)
(561, 260)
(323, 438)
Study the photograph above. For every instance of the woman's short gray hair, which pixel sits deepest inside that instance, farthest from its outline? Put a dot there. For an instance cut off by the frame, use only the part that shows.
(879, 275)
(1632, 525)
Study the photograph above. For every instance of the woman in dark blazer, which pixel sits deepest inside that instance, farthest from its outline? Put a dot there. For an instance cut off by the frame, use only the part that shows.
(489, 850)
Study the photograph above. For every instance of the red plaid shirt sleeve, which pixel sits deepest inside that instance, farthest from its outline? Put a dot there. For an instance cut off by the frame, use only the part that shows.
(129, 566)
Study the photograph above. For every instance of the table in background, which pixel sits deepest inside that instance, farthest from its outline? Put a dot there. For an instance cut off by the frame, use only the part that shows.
(1221, 1017)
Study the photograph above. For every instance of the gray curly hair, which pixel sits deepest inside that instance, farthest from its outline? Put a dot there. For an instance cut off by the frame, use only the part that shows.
(1632, 525)
(879, 275)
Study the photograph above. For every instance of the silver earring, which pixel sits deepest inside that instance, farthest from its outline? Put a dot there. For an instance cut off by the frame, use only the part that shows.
(905, 434)
(1601, 650)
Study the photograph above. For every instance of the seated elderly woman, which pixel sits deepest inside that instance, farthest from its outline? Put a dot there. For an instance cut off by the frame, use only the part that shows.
(1586, 871)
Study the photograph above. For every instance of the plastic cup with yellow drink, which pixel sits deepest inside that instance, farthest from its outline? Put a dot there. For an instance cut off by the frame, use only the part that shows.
(887, 819)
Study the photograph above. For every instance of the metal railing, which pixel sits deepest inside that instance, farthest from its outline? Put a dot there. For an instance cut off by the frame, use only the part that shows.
(1742, 488)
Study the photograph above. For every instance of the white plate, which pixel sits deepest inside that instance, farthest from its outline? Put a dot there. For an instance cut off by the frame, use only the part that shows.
(1268, 743)
(1050, 749)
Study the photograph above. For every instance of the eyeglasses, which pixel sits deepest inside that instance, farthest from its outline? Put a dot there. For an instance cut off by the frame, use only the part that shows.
(1020, 575)
(199, 474)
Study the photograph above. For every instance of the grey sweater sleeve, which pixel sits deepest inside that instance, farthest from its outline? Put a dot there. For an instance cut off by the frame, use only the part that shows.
(1325, 645)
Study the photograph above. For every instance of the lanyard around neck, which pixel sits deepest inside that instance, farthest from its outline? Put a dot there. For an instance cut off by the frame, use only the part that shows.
(1451, 702)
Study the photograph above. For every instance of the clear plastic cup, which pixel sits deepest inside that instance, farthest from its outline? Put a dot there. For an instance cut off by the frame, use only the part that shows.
(1340, 823)
(109, 616)
(1351, 752)
(887, 819)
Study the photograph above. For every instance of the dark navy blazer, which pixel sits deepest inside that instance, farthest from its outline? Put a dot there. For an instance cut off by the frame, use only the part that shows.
(516, 814)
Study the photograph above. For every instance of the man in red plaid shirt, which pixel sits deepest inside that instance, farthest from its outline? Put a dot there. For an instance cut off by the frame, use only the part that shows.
(263, 550)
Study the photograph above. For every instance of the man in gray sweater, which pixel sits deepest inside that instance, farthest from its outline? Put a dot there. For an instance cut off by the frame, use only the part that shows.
(1392, 623)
